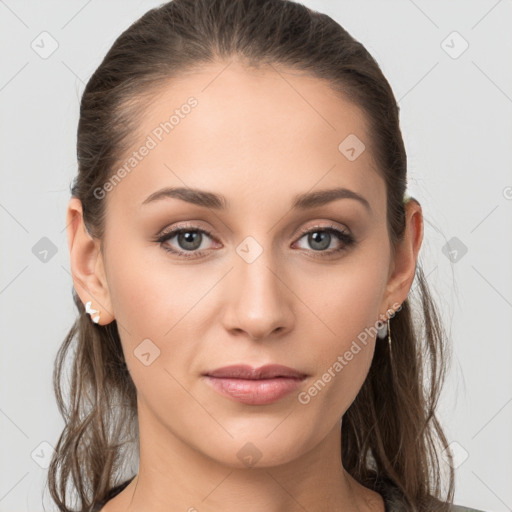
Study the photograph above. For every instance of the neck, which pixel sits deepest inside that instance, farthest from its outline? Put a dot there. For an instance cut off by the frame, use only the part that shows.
(174, 475)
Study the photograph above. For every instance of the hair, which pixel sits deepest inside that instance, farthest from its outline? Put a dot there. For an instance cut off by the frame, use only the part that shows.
(390, 431)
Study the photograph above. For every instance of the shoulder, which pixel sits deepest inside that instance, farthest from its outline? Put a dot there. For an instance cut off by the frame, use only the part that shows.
(461, 508)
(394, 501)
(398, 506)
(100, 505)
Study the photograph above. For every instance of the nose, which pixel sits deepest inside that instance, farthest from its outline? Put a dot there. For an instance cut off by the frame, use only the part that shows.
(258, 301)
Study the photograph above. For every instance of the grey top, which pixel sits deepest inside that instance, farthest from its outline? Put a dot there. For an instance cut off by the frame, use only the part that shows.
(389, 492)
(461, 508)
(393, 501)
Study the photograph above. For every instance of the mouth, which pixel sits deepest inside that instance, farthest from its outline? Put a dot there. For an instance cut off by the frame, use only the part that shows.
(243, 371)
(255, 386)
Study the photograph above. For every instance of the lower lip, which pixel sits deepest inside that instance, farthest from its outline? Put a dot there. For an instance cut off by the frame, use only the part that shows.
(255, 391)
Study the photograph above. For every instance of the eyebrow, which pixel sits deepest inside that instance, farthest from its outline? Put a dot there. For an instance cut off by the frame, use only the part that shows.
(219, 202)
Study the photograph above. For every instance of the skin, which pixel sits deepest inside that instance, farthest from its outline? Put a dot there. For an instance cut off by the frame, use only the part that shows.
(259, 137)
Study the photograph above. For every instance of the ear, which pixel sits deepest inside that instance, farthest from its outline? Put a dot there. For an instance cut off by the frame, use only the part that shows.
(403, 267)
(87, 268)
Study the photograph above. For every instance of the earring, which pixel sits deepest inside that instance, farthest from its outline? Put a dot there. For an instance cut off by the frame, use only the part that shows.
(383, 330)
(88, 309)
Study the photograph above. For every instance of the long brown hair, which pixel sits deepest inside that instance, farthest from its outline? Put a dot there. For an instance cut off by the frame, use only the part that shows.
(390, 431)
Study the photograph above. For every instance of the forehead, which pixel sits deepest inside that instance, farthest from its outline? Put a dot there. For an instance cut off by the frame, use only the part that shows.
(251, 132)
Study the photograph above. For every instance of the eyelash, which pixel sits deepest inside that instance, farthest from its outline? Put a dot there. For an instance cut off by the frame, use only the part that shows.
(347, 239)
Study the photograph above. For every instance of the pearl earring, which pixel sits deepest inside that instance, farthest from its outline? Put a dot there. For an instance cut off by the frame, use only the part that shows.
(88, 309)
(382, 330)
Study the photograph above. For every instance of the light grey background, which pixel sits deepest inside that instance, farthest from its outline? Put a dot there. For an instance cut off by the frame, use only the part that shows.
(456, 121)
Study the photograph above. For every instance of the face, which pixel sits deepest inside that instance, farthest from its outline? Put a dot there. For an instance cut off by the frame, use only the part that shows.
(260, 280)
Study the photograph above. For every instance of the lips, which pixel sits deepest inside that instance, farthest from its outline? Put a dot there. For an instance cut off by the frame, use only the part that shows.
(269, 371)
(255, 386)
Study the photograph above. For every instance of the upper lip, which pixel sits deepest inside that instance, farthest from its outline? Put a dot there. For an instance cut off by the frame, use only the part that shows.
(243, 371)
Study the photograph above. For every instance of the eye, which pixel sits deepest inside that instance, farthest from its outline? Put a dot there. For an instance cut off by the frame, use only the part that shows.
(189, 240)
(321, 237)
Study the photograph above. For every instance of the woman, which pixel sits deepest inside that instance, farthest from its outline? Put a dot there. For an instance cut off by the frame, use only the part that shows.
(242, 250)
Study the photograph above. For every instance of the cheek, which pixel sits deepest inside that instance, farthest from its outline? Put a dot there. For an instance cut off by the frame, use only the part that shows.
(162, 309)
(149, 294)
(344, 306)
(345, 300)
